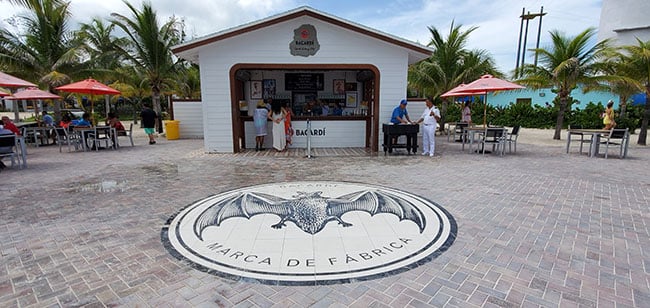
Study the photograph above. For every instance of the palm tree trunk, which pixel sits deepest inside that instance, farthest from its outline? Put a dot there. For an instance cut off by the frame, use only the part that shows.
(623, 103)
(560, 117)
(443, 114)
(646, 114)
(155, 97)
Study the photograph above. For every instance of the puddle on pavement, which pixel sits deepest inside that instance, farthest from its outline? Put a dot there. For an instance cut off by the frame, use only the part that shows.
(105, 186)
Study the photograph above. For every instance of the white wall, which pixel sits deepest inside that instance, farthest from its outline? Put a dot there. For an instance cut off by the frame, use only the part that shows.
(190, 115)
(628, 17)
(271, 45)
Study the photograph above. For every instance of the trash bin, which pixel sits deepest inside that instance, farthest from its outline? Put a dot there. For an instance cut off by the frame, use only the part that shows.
(172, 129)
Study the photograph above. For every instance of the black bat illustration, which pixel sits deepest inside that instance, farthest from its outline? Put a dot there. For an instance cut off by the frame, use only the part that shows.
(309, 211)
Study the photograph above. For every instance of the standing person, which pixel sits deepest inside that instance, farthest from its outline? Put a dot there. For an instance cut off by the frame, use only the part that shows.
(288, 129)
(277, 116)
(149, 117)
(608, 116)
(260, 117)
(430, 117)
(400, 115)
(466, 114)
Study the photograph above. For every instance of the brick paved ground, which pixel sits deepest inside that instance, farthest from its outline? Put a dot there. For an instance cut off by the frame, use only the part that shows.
(537, 229)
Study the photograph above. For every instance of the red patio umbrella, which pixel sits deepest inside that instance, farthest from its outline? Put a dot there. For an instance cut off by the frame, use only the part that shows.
(483, 85)
(33, 93)
(89, 86)
(7, 80)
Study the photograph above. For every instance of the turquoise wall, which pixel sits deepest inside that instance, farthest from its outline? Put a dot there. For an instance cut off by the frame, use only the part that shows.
(541, 97)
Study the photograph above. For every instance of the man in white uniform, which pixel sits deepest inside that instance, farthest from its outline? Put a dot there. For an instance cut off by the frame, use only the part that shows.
(430, 117)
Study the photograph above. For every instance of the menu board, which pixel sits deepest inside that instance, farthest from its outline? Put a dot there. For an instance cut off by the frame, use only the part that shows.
(303, 81)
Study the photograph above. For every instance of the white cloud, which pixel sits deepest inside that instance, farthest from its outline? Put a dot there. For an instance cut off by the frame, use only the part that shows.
(498, 21)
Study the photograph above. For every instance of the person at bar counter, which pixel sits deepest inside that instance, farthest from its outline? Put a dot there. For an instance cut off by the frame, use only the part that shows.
(400, 115)
(260, 117)
(430, 117)
(288, 128)
(337, 111)
(8, 124)
(277, 115)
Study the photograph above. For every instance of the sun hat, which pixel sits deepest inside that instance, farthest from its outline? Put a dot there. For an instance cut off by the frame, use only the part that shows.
(260, 104)
(403, 102)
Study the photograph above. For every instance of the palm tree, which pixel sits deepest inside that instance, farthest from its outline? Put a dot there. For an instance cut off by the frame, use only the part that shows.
(149, 47)
(450, 65)
(570, 62)
(102, 48)
(46, 50)
(636, 60)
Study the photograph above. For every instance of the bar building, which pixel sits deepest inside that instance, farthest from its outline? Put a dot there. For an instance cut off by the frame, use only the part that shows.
(310, 60)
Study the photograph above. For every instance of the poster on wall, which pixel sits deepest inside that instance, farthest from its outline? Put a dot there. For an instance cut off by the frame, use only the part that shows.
(338, 86)
(256, 89)
(351, 100)
(269, 88)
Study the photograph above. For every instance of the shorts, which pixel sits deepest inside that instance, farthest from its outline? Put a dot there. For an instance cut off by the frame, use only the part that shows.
(149, 131)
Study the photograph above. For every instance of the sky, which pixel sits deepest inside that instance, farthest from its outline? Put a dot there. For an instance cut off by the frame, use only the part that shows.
(498, 21)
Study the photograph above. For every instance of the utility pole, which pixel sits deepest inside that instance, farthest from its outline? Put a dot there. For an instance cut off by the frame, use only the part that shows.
(521, 48)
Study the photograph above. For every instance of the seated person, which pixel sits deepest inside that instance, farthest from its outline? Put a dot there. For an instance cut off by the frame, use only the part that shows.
(65, 121)
(337, 111)
(113, 121)
(48, 120)
(84, 122)
(8, 124)
(4, 131)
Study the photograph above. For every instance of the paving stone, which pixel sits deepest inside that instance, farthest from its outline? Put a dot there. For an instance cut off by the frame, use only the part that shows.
(539, 228)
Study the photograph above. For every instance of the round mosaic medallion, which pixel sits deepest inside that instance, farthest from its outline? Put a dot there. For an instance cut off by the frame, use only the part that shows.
(302, 233)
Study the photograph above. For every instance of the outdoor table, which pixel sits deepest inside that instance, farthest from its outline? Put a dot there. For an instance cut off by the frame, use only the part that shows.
(595, 138)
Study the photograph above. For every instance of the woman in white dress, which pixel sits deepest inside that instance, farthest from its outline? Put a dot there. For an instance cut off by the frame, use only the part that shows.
(278, 115)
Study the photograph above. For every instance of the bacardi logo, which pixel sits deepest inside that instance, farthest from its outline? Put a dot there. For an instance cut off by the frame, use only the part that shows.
(309, 232)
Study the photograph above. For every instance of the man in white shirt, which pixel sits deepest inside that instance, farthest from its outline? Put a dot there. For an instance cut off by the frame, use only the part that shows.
(430, 117)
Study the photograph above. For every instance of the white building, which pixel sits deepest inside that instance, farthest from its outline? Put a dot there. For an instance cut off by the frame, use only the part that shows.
(624, 21)
(299, 56)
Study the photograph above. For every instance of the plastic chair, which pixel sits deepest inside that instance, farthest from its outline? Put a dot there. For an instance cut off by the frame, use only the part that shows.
(617, 137)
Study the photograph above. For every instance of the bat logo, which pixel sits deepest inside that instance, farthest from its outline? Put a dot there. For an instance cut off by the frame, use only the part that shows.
(308, 211)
